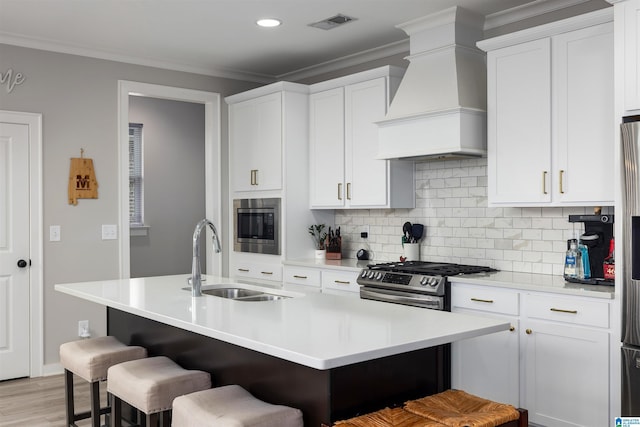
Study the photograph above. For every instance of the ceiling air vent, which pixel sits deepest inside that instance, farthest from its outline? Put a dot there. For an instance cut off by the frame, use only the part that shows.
(333, 22)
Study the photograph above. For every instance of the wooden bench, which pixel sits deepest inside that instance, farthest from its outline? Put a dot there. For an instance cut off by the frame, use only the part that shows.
(449, 408)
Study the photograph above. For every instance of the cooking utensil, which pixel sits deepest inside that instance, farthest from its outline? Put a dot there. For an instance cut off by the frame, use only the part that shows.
(416, 231)
(406, 231)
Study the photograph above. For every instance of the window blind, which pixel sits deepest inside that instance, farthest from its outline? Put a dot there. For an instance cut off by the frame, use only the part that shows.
(136, 188)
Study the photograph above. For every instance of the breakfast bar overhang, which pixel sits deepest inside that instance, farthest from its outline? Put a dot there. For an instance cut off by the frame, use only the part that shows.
(330, 356)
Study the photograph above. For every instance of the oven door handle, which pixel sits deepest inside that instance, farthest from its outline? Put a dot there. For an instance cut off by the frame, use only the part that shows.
(426, 301)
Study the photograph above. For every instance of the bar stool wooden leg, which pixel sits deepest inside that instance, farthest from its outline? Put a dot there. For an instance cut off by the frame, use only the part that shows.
(95, 403)
(166, 419)
(116, 411)
(68, 388)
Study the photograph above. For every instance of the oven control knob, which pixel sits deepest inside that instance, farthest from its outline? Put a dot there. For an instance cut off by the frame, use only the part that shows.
(424, 281)
(371, 274)
(378, 276)
(364, 274)
(433, 282)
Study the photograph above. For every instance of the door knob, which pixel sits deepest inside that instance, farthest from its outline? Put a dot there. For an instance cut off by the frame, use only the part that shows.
(22, 263)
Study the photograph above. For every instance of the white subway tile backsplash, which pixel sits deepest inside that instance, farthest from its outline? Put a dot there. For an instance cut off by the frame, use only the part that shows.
(451, 201)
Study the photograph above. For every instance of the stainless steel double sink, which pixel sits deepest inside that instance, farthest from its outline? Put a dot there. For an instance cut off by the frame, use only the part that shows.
(240, 294)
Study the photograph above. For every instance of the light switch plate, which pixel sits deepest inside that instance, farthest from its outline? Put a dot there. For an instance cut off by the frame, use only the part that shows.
(109, 232)
(54, 233)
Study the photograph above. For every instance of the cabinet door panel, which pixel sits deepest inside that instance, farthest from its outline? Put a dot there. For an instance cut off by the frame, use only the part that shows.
(567, 375)
(632, 56)
(366, 176)
(488, 366)
(256, 143)
(326, 112)
(519, 123)
(583, 103)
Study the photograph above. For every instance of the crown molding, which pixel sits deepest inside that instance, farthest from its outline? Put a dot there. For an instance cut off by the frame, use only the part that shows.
(53, 46)
(526, 11)
(400, 47)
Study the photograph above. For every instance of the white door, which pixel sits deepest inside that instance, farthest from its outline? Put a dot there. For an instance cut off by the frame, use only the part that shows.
(14, 250)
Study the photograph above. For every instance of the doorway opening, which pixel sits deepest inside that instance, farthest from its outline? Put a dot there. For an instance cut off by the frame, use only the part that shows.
(212, 166)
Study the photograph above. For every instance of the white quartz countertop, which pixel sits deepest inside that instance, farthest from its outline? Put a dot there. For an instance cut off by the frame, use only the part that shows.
(326, 264)
(535, 282)
(503, 279)
(321, 331)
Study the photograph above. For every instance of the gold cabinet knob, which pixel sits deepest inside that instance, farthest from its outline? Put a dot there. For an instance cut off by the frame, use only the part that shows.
(512, 328)
(529, 331)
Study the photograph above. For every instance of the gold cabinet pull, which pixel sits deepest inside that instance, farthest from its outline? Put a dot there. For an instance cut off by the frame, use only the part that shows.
(254, 176)
(244, 270)
(348, 191)
(559, 310)
(342, 282)
(295, 276)
(561, 176)
(544, 182)
(512, 328)
(268, 273)
(339, 191)
(529, 331)
(489, 301)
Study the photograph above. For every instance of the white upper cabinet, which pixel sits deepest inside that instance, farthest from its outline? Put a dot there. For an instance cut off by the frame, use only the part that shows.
(326, 125)
(344, 171)
(550, 114)
(255, 132)
(583, 111)
(630, 21)
(519, 123)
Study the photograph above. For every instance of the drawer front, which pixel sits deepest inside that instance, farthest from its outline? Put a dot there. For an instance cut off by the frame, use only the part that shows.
(569, 310)
(259, 271)
(302, 276)
(487, 299)
(340, 281)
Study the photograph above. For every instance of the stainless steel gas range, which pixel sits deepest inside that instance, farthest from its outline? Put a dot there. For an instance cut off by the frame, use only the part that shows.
(416, 283)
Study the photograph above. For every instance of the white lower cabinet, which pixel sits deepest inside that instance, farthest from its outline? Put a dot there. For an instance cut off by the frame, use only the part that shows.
(269, 274)
(566, 361)
(340, 283)
(488, 366)
(337, 281)
(554, 361)
(301, 279)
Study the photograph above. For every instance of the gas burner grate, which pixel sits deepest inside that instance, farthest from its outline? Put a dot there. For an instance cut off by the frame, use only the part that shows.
(431, 268)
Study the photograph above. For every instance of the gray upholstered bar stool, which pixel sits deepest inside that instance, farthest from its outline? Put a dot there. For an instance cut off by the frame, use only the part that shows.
(89, 359)
(150, 385)
(228, 406)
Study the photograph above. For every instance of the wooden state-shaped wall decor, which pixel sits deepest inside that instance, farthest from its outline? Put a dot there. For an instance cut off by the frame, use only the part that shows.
(82, 179)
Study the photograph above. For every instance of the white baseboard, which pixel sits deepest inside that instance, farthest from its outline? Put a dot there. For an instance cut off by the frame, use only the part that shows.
(52, 369)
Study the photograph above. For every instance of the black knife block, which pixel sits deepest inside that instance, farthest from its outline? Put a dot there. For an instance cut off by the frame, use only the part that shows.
(602, 225)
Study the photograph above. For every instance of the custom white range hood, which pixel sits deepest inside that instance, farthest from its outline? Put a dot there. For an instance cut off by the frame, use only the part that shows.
(439, 110)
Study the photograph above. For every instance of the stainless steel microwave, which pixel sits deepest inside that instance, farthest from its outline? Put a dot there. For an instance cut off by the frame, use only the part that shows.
(256, 226)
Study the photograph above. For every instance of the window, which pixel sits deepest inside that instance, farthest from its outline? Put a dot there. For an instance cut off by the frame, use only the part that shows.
(136, 183)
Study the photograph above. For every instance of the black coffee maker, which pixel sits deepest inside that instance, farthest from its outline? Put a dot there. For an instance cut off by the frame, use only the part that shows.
(598, 232)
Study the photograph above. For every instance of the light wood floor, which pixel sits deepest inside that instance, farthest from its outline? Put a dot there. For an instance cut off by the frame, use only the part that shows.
(39, 402)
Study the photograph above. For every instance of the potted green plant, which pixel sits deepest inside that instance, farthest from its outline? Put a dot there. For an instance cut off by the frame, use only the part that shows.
(319, 239)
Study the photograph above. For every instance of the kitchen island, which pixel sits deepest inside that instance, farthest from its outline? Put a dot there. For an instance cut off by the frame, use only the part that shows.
(331, 356)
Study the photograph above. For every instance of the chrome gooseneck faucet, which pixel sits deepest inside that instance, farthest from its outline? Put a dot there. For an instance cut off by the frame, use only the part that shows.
(196, 275)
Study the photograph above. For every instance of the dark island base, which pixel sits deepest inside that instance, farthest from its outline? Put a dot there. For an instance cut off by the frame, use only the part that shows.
(324, 396)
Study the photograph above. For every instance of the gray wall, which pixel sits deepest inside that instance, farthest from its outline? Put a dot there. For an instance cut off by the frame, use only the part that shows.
(77, 97)
(174, 190)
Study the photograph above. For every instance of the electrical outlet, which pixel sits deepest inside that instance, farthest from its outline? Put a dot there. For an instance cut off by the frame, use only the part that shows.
(83, 329)
(364, 231)
(54, 233)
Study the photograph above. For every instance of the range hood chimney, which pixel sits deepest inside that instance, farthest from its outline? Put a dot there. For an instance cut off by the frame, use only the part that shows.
(439, 110)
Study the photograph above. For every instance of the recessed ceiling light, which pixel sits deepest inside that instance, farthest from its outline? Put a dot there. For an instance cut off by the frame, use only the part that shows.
(268, 22)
